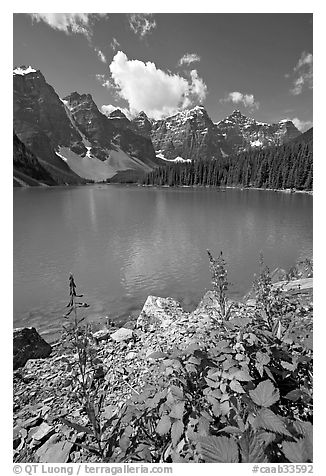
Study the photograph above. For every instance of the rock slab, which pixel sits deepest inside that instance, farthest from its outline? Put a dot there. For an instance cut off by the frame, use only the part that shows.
(28, 344)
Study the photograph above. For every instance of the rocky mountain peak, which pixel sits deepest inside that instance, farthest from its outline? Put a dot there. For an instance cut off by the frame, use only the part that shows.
(117, 114)
(23, 70)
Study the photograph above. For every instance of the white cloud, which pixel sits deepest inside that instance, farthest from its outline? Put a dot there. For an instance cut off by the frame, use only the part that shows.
(303, 74)
(301, 125)
(248, 100)
(189, 58)
(149, 89)
(69, 22)
(101, 55)
(142, 23)
(108, 108)
(114, 44)
(106, 83)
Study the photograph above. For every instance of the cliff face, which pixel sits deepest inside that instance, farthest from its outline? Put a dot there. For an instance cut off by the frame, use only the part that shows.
(27, 168)
(242, 133)
(40, 121)
(71, 136)
(192, 135)
(188, 134)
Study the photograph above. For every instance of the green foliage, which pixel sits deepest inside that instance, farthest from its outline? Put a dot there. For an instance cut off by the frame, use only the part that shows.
(244, 395)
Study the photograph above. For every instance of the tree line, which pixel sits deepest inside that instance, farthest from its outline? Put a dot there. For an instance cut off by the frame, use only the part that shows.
(284, 167)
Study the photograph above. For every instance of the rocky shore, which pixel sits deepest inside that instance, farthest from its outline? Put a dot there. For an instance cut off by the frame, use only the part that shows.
(42, 386)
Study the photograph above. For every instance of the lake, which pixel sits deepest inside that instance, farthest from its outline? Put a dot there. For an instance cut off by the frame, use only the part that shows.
(123, 243)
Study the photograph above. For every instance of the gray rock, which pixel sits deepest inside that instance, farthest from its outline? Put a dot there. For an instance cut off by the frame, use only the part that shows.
(122, 335)
(28, 344)
(43, 431)
(103, 334)
(54, 451)
(158, 312)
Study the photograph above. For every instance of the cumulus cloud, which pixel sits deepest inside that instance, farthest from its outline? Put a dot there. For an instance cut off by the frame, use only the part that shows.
(142, 23)
(101, 55)
(189, 58)
(302, 74)
(301, 125)
(247, 100)
(108, 108)
(147, 88)
(114, 44)
(69, 22)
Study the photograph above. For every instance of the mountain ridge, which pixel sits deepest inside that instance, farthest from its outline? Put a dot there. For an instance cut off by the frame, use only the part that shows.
(76, 142)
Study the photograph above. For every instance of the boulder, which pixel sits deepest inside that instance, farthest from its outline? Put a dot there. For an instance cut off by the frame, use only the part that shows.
(158, 312)
(28, 344)
(122, 335)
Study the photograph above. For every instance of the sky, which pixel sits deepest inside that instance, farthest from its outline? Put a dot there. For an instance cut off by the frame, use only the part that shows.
(258, 63)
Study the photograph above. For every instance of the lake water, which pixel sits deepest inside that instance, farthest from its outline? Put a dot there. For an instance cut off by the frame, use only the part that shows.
(123, 243)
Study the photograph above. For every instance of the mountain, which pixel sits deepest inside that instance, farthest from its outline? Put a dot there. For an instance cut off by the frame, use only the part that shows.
(71, 137)
(188, 135)
(41, 123)
(26, 168)
(242, 133)
(287, 166)
(191, 134)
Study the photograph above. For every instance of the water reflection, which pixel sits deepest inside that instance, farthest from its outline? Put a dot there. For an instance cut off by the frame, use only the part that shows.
(123, 243)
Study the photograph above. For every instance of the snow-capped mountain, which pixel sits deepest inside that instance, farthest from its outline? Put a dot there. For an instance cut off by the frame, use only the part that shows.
(241, 132)
(71, 137)
(191, 134)
(74, 141)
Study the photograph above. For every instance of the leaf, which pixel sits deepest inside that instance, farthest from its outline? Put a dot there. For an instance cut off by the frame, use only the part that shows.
(265, 394)
(236, 386)
(157, 355)
(218, 449)
(296, 451)
(262, 358)
(269, 421)
(230, 429)
(288, 366)
(176, 432)
(176, 391)
(252, 451)
(164, 425)
(177, 411)
(76, 426)
(294, 395)
(242, 376)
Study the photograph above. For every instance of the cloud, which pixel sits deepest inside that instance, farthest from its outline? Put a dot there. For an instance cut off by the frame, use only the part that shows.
(69, 22)
(147, 88)
(302, 74)
(101, 55)
(106, 83)
(108, 108)
(142, 23)
(114, 44)
(189, 58)
(301, 125)
(248, 100)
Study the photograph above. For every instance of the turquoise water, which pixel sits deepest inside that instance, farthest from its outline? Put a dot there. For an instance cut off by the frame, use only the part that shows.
(123, 243)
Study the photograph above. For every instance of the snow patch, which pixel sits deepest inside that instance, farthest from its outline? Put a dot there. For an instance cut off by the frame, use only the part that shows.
(90, 167)
(22, 71)
(160, 155)
(256, 143)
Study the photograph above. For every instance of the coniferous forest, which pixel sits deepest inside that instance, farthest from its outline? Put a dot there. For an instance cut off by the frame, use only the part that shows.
(284, 167)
